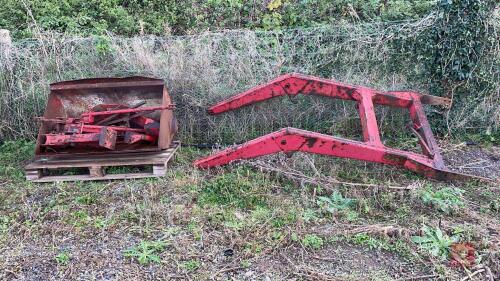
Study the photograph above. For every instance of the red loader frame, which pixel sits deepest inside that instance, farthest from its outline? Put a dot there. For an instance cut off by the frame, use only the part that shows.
(429, 164)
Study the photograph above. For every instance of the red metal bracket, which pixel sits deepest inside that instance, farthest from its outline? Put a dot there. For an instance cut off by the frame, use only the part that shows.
(429, 164)
(89, 117)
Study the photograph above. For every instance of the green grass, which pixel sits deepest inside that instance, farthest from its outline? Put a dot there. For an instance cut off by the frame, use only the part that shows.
(374, 242)
(124, 170)
(86, 199)
(146, 252)
(63, 258)
(79, 219)
(12, 156)
(201, 213)
(238, 188)
(191, 265)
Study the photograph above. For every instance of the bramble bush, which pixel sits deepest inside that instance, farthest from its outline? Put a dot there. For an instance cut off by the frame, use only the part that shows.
(160, 17)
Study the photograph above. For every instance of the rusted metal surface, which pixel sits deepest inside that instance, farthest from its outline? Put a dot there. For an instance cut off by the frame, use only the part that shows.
(107, 138)
(429, 164)
(131, 137)
(97, 115)
(82, 130)
(294, 84)
(89, 117)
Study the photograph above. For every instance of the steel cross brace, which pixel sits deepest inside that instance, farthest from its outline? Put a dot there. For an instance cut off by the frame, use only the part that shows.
(89, 117)
(429, 164)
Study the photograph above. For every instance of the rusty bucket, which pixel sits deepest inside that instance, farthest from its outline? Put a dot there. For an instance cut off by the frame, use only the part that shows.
(72, 103)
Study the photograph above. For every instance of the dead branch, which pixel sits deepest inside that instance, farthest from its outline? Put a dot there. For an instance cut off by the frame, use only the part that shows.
(320, 180)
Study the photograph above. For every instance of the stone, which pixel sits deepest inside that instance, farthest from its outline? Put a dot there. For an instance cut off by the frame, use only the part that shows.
(5, 38)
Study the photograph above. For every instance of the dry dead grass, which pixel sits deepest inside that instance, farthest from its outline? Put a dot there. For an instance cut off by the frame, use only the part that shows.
(201, 69)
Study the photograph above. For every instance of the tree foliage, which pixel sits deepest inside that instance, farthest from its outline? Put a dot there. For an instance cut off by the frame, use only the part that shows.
(458, 39)
(129, 17)
(451, 49)
(453, 55)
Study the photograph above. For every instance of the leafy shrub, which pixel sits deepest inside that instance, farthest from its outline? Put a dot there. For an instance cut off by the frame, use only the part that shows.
(364, 239)
(87, 17)
(12, 154)
(337, 204)
(452, 55)
(312, 241)
(435, 241)
(309, 215)
(380, 243)
(446, 199)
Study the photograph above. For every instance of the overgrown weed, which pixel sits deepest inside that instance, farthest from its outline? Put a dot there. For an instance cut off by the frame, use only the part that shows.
(146, 251)
(12, 156)
(435, 241)
(446, 199)
(240, 188)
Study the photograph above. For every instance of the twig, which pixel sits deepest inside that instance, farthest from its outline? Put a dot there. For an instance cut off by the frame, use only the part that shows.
(12, 272)
(481, 167)
(39, 30)
(472, 163)
(226, 270)
(311, 164)
(314, 275)
(473, 274)
(325, 259)
(308, 272)
(322, 181)
(417, 277)
(489, 273)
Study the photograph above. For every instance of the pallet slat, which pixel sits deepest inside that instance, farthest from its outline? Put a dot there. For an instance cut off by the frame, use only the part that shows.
(112, 160)
(159, 170)
(89, 178)
(33, 174)
(96, 166)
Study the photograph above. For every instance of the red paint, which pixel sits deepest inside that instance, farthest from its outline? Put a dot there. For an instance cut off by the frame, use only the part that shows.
(61, 139)
(88, 117)
(131, 137)
(77, 111)
(429, 164)
(83, 128)
(294, 84)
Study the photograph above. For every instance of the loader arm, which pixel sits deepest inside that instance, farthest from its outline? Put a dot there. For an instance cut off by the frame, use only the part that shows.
(429, 163)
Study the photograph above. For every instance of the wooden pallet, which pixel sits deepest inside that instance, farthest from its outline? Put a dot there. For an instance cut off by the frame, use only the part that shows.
(39, 170)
